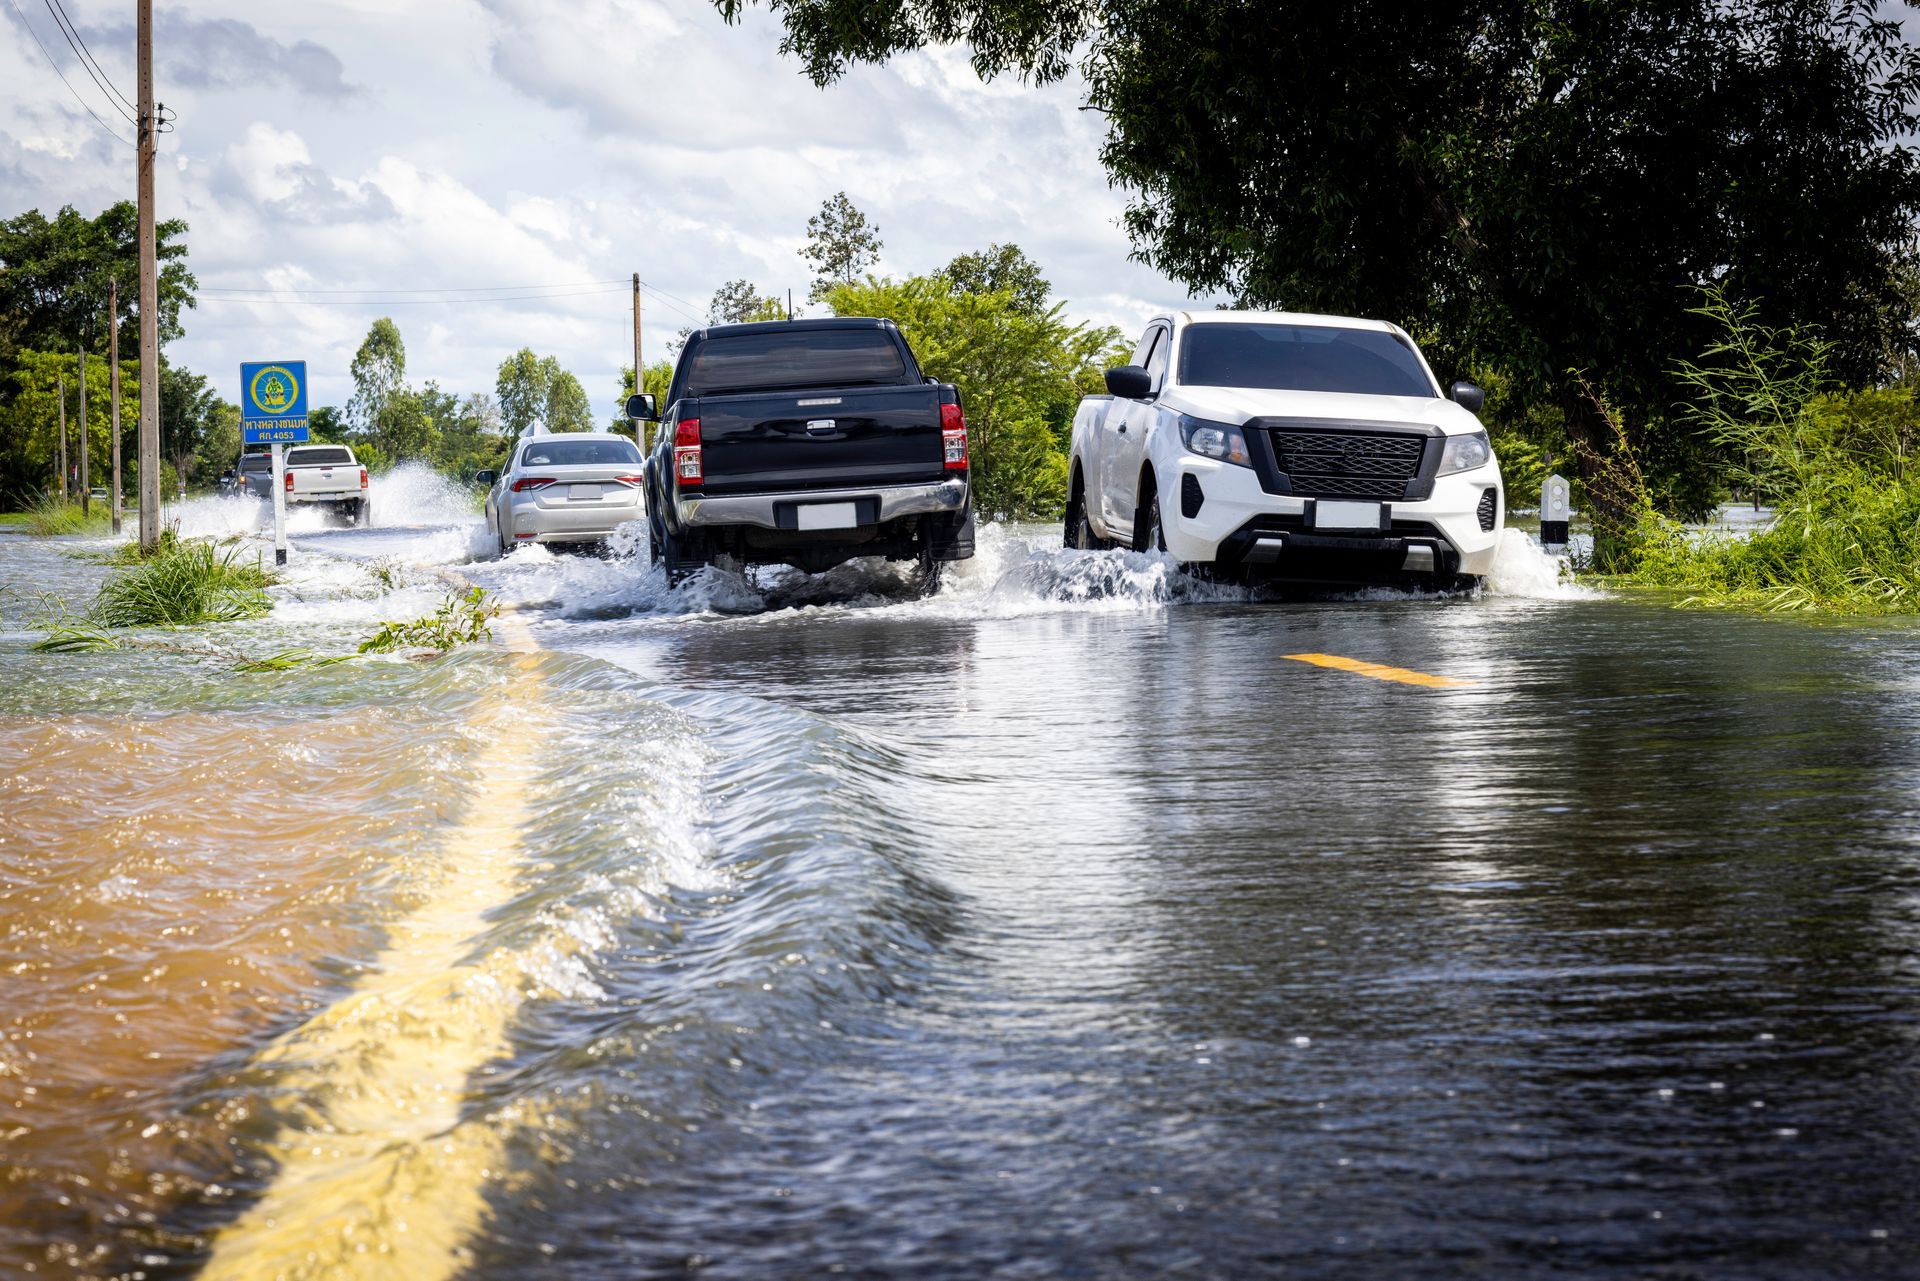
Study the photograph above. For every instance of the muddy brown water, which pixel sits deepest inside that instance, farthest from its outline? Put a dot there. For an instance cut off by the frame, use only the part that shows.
(1062, 925)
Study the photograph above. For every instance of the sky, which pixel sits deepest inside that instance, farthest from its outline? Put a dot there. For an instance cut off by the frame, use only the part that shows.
(514, 150)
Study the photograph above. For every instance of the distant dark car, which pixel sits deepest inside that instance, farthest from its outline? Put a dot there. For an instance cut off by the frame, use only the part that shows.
(806, 443)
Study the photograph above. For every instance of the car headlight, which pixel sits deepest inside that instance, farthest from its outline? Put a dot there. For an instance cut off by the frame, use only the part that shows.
(1215, 440)
(1464, 453)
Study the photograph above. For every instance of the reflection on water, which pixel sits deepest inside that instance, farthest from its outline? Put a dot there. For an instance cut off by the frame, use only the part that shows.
(1059, 925)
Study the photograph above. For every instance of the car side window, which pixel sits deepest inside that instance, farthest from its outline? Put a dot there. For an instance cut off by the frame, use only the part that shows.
(1157, 357)
(1144, 348)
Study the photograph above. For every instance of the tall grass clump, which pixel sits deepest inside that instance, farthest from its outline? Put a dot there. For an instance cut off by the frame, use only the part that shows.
(50, 515)
(1837, 465)
(193, 583)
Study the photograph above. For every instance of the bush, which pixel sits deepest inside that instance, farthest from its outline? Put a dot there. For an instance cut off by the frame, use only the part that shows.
(193, 583)
(1846, 532)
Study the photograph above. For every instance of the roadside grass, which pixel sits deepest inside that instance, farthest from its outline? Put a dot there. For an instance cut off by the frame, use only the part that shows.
(1846, 534)
(50, 516)
(192, 583)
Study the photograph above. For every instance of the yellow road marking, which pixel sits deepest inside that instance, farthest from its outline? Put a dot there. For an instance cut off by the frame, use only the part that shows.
(381, 1176)
(1380, 671)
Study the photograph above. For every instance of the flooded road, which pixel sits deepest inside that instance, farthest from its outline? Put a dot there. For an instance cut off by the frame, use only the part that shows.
(1066, 924)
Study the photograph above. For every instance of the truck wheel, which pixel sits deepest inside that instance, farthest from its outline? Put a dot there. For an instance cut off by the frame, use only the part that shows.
(682, 557)
(928, 571)
(1149, 535)
(1078, 531)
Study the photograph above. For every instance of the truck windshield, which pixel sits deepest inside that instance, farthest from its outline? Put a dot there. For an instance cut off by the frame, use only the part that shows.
(793, 358)
(324, 456)
(560, 452)
(1367, 362)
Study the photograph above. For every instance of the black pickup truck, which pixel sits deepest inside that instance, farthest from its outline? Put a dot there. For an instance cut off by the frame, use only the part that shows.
(806, 443)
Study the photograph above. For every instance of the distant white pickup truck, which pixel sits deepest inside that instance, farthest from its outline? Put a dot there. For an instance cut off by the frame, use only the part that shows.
(328, 475)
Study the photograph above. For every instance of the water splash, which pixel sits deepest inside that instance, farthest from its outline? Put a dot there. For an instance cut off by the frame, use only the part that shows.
(1522, 568)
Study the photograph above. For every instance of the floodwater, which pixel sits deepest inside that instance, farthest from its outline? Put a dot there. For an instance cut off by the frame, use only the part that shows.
(1063, 925)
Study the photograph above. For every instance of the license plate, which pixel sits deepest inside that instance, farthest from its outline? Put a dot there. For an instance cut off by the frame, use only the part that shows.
(827, 516)
(1370, 516)
(578, 492)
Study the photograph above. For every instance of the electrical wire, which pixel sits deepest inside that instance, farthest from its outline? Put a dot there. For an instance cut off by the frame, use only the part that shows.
(698, 321)
(63, 77)
(88, 63)
(447, 289)
(404, 302)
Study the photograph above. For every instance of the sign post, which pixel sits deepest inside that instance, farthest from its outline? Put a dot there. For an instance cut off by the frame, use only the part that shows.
(1555, 513)
(273, 411)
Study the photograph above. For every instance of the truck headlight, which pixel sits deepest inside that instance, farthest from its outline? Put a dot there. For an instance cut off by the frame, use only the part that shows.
(1464, 453)
(1215, 440)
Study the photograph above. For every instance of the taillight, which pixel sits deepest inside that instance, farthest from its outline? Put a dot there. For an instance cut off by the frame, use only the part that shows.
(363, 478)
(686, 451)
(288, 473)
(525, 483)
(631, 482)
(953, 437)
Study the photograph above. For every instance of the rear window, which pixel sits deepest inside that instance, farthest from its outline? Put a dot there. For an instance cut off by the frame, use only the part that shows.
(319, 456)
(1367, 362)
(257, 462)
(781, 358)
(561, 452)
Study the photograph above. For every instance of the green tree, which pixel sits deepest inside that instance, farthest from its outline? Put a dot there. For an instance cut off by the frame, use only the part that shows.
(54, 274)
(327, 425)
(535, 389)
(841, 244)
(404, 429)
(1020, 375)
(659, 375)
(568, 408)
(1539, 183)
(1001, 267)
(188, 418)
(379, 373)
(30, 418)
(737, 302)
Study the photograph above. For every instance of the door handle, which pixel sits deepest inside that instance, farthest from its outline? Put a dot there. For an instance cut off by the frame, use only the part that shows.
(1123, 429)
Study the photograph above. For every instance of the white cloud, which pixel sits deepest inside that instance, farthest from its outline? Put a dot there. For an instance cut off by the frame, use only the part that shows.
(511, 143)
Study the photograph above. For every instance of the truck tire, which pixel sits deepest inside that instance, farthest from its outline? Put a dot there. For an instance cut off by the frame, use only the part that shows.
(1149, 535)
(929, 569)
(682, 555)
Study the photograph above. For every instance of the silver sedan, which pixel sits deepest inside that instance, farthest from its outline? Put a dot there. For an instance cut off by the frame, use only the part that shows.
(572, 487)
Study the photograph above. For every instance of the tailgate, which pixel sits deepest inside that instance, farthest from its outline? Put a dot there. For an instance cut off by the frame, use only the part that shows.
(326, 480)
(820, 439)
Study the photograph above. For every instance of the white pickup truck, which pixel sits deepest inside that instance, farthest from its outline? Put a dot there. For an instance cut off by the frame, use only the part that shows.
(1273, 445)
(327, 475)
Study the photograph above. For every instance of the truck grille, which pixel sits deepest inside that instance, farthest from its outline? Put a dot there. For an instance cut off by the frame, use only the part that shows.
(1348, 464)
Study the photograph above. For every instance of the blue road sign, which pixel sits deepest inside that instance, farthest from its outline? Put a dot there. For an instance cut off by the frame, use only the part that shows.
(273, 392)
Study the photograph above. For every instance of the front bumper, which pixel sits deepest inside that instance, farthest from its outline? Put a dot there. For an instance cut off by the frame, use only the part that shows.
(1241, 526)
(875, 504)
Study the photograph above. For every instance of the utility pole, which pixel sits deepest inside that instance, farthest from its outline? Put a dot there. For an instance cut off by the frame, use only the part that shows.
(113, 390)
(149, 290)
(639, 374)
(86, 481)
(65, 493)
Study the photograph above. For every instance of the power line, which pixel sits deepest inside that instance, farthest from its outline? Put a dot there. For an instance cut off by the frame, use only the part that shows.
(657, 297)
(63, 76)
(405, 302)
(88, 62)
(448, 289)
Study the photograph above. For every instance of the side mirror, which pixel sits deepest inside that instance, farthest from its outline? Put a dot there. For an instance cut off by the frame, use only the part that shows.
(643, 407)
(485, 477)
(1130, 382)
(1469, 397)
